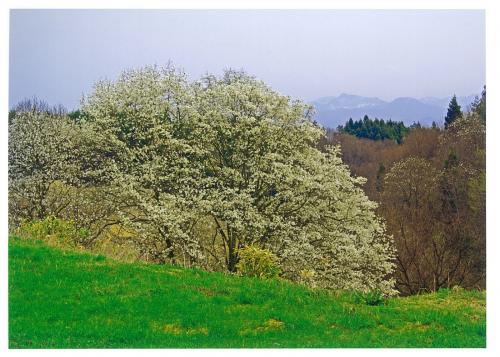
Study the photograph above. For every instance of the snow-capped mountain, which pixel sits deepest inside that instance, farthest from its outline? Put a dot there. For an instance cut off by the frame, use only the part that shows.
(334, 111)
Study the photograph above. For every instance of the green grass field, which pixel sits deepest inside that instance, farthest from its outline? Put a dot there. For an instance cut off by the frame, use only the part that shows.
(64, 299)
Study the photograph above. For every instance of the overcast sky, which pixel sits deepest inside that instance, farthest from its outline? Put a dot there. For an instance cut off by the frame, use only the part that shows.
(57, 55)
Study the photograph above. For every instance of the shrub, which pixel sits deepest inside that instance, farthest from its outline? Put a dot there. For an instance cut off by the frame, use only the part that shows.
(56, 232)
(372, 297)
(257, 262)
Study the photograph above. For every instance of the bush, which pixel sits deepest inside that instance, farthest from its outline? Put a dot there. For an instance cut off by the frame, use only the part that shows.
(56, 232)
(257, 262)
(372, 297)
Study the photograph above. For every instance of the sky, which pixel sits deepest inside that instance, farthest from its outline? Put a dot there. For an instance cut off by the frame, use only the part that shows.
(57, 55)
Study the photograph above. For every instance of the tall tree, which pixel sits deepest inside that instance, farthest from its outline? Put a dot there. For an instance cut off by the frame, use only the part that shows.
(230, 153)
(479, 105)
(454, 112)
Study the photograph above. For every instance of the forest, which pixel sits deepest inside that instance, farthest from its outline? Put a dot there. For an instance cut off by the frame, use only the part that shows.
(227, 175)
(431, 191)
(375, 129)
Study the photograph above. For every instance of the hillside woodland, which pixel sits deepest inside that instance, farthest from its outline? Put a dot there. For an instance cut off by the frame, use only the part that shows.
(431, 191)
(222, 171)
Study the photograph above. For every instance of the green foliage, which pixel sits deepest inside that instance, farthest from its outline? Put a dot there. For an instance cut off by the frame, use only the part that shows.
(372, 297)
(61, 299)
(477, 193)
(54, 231)
(451, 161)
(257, 262)
(454, 112)
(479, 105)
(376, 129)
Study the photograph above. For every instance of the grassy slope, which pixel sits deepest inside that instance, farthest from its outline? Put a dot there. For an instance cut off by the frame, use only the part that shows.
(61, 299)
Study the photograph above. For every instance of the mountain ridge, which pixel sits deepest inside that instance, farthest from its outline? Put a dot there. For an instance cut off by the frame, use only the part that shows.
(333, 111)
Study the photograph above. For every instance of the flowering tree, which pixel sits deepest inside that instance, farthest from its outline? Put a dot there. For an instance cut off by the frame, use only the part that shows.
(49, 161)
(146, 133)
(267, 184)
(40, 154)
(219, 164)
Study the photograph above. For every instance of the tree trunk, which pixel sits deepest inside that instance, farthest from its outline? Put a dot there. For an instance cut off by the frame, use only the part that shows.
(232, 252)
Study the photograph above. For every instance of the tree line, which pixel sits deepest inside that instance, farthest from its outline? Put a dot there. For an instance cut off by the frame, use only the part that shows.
(375, 129)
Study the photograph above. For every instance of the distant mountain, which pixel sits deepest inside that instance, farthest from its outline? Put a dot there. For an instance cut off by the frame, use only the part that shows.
(348, 101)
(334, 111)
(464, 102)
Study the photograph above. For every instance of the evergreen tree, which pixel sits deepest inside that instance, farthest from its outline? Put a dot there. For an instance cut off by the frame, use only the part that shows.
(479, 105)
(454, 112)
(375, 129)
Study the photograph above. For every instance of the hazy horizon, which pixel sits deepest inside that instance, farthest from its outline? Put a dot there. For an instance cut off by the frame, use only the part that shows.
(57, 55)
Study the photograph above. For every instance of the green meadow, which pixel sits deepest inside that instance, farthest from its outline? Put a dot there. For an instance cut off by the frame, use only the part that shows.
(67, 299)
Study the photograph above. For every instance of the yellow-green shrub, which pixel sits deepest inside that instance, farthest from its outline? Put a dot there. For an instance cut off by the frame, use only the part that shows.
(54, 231)
(257, 262)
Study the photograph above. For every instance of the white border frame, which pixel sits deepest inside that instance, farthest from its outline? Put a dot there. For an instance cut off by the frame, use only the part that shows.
(493, 175)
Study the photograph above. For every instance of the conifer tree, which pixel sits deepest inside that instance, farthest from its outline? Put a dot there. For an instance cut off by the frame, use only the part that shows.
(479, 105)
(454, 112)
